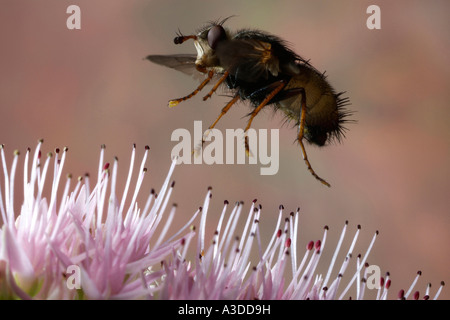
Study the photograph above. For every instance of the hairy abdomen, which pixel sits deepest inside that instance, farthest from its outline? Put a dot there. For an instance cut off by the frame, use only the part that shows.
(322, 114)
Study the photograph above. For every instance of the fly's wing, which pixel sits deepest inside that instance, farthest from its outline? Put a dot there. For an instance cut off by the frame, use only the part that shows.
(182, 62)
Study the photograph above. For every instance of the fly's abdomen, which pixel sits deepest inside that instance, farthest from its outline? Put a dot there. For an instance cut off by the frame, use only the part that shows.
(323, 106)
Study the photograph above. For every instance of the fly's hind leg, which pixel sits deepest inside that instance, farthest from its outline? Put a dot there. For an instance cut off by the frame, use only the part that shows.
(301, 135)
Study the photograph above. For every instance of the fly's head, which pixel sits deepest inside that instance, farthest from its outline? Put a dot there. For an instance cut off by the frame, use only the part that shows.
(206, 41)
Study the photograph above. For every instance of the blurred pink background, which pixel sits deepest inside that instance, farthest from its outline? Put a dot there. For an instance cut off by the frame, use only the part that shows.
(83, 88)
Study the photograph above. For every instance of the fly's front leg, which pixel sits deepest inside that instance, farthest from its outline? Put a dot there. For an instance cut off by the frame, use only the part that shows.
(174, 102)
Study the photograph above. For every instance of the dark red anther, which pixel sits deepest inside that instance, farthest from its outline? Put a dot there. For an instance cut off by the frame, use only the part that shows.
(288, 243)
(318, 244)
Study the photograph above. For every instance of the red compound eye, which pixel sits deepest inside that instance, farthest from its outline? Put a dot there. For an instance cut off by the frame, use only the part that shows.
(215, 34)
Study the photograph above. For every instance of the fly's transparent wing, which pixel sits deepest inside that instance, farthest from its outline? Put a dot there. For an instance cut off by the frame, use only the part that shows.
(182, 62)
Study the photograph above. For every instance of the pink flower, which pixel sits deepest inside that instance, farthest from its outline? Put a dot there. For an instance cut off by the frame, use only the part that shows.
(223, 270)
(95, 234)
(83, 242)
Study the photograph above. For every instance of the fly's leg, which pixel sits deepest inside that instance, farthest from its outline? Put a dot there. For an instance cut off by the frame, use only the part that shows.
(222, 113)
(222, 79)
(174, 102)
(300, 138)
(278, 86)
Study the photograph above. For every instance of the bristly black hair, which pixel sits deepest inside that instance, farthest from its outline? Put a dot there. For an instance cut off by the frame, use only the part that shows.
(343, 117)
(279, 45)
(212, 23)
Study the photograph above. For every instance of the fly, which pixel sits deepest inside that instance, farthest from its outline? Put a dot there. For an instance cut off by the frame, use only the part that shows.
(261, 68)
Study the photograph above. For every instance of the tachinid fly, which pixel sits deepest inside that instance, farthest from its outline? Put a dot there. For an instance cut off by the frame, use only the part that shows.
(260, 67)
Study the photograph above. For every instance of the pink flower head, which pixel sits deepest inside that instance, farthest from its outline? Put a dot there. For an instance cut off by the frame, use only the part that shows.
(105, 243)
(83, 242)
(224, 269)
